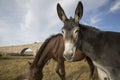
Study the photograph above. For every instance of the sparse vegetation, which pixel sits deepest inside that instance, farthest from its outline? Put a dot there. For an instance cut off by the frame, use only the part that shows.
(16, 68)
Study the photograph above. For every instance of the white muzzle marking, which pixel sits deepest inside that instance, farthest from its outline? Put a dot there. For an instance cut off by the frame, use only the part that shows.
(69, 51)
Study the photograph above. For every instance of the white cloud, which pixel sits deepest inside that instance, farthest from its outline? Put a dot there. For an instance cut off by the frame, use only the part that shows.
(92, 13)
(94, 20)
(35, 20)
(93, 5)
(41, 20)
(115, 6)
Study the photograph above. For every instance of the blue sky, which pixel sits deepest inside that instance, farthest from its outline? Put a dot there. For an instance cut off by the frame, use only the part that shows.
(29, 21)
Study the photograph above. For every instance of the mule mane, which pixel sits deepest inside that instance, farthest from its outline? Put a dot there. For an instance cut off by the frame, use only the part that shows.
(41, 49)
(89, 29)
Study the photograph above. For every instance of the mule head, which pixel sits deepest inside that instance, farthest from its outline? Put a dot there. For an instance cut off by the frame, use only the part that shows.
(70, 30)
(35, 73)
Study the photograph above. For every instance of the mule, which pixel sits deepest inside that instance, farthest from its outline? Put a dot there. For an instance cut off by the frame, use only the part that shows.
(102, 47)
(53, 47)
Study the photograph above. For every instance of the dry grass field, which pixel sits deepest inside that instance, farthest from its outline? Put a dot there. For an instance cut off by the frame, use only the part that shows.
(16, 68)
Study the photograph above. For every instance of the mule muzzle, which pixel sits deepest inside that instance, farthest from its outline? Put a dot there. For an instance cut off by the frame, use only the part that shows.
(68, 57)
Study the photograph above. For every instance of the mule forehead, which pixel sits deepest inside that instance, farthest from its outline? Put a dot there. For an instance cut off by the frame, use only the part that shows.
(70, 26)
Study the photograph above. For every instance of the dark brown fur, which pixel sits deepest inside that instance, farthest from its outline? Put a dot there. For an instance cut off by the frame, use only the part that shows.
(53, 47)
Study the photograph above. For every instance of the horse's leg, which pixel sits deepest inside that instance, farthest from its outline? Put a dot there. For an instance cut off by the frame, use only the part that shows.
(60, 69)
(91, 66)
(57, 70)
(42, 61)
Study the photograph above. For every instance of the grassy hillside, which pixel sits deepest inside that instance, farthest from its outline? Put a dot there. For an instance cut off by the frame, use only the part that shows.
(16, 68)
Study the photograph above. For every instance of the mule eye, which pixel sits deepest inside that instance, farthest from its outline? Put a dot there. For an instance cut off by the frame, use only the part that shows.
(62, 31)
(77, 31)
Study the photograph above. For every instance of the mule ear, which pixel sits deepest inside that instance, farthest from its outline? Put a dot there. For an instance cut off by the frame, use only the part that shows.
(29, 63)
(61, 13)
(78, 12)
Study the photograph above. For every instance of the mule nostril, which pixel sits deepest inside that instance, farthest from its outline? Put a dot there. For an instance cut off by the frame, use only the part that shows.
(68, 56)
(65, 56)
(71, 55)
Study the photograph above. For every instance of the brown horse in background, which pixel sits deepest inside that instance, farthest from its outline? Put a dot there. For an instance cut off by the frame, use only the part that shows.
(53, 47)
